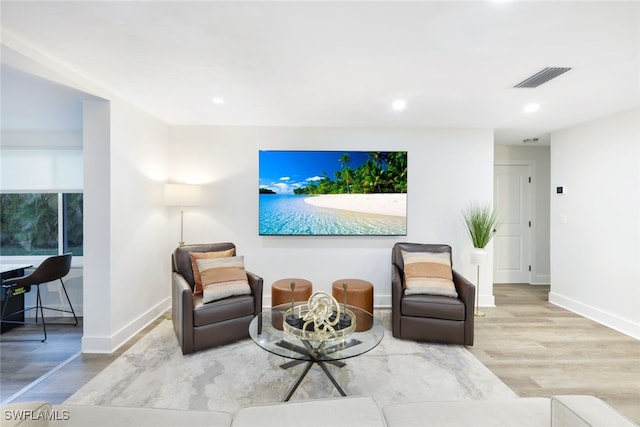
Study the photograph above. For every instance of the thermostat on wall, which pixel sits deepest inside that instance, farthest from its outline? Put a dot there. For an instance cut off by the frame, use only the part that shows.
(560, 190)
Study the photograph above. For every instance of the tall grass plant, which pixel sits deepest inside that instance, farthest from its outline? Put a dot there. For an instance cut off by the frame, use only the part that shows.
(482, 223)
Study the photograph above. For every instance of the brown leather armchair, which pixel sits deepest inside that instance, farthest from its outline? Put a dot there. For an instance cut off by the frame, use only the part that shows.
(199, 326)
(430, 317)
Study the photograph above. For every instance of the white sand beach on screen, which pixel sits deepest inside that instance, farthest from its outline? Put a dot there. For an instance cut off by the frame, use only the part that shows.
(392, 204)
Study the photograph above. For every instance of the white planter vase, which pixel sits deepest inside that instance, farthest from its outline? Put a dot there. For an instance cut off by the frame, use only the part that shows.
(478, 256)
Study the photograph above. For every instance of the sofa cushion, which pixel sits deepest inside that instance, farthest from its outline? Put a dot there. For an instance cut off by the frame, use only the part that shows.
(345, 411)
(437, 307)
(428, 273)
(28, 414)
(222, 278)
(197, 279)
(221, 310)
(524, 412)
(585, 411)
(98, 416)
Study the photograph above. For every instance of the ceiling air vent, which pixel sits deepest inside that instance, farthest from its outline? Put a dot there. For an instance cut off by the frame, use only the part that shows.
(542, 77)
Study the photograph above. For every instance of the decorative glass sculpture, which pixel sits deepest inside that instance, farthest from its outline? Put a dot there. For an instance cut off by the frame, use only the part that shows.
(320, 319)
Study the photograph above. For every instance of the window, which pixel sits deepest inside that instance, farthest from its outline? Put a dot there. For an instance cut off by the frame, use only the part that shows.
(72, 223)
(40, 223)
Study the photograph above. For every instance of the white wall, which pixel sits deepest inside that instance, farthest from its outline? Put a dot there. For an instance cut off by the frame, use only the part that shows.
(595, 225)
(447, 169)
(96, 223)
(140, 268)
(126, 249)
(538, 158)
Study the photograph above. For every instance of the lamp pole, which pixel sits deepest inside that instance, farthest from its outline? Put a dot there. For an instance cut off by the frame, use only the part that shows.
(181, 195)
(478, 312)
(181, 242)
(478, 257)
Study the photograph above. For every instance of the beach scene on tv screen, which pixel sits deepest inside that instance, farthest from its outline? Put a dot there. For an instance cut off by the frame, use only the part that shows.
(333, 193)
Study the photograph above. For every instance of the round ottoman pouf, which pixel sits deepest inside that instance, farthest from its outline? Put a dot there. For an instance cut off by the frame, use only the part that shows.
(281, 291)
(359, 294)
(281, 294)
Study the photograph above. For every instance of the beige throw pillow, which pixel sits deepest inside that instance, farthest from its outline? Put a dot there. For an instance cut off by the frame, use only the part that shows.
(428, 273)
(197, 280)
(222, 278)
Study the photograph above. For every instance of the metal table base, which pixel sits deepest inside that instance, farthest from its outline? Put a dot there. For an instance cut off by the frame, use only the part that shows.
(315, 356)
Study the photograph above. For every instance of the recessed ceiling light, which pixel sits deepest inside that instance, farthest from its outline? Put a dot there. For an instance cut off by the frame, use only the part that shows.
(399, 104)
(217, 101)
(531, 108)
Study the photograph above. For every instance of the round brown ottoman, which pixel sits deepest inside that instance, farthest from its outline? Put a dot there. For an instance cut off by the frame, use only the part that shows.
(359, 294)
(281, 294)
(281, 291)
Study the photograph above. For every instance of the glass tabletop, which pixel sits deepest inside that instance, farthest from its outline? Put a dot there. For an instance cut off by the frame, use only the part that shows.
(266, 331)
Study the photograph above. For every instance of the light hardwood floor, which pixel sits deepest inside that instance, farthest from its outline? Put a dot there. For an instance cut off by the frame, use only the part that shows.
(534, 347)
(539, 349)
(56, 384)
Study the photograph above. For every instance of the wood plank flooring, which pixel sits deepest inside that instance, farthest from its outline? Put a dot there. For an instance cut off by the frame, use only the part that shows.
(55, 386)
(22, 362)
(539, 349)
(534, 347)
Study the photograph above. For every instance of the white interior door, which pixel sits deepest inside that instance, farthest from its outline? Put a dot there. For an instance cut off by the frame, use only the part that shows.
(512, 242)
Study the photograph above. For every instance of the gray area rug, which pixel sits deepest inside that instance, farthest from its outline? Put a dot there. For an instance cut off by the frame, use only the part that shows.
(154, 373)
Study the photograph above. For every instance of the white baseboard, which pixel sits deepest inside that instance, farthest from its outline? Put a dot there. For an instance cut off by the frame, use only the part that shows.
(540, 279)
(382, 301)
(109, 344)
(487, 301)
(610, 320)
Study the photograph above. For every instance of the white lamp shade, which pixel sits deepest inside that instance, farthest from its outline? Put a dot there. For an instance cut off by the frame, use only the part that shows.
(478, 256)
(181, 195)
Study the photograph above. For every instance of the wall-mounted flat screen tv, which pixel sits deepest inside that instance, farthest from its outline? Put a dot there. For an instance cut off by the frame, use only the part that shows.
(332, 193)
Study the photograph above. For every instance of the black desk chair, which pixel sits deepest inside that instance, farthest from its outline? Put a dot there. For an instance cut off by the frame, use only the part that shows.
(51, 269)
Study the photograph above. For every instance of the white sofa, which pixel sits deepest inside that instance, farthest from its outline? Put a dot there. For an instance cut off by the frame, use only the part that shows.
(559, 411)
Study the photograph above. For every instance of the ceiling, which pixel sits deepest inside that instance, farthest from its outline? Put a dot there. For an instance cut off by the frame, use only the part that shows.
(30, 103)
(342, 63)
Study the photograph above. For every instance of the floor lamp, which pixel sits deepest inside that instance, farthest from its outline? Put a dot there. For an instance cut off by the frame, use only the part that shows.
(181, 195)
(478, 258)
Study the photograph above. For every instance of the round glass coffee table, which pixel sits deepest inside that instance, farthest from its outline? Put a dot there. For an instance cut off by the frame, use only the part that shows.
(266, 330)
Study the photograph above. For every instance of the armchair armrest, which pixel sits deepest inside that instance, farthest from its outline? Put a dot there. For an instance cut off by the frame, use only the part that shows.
(396, 297)
(256, 284)
(182, 311)
(467, 293)
(466, 290)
